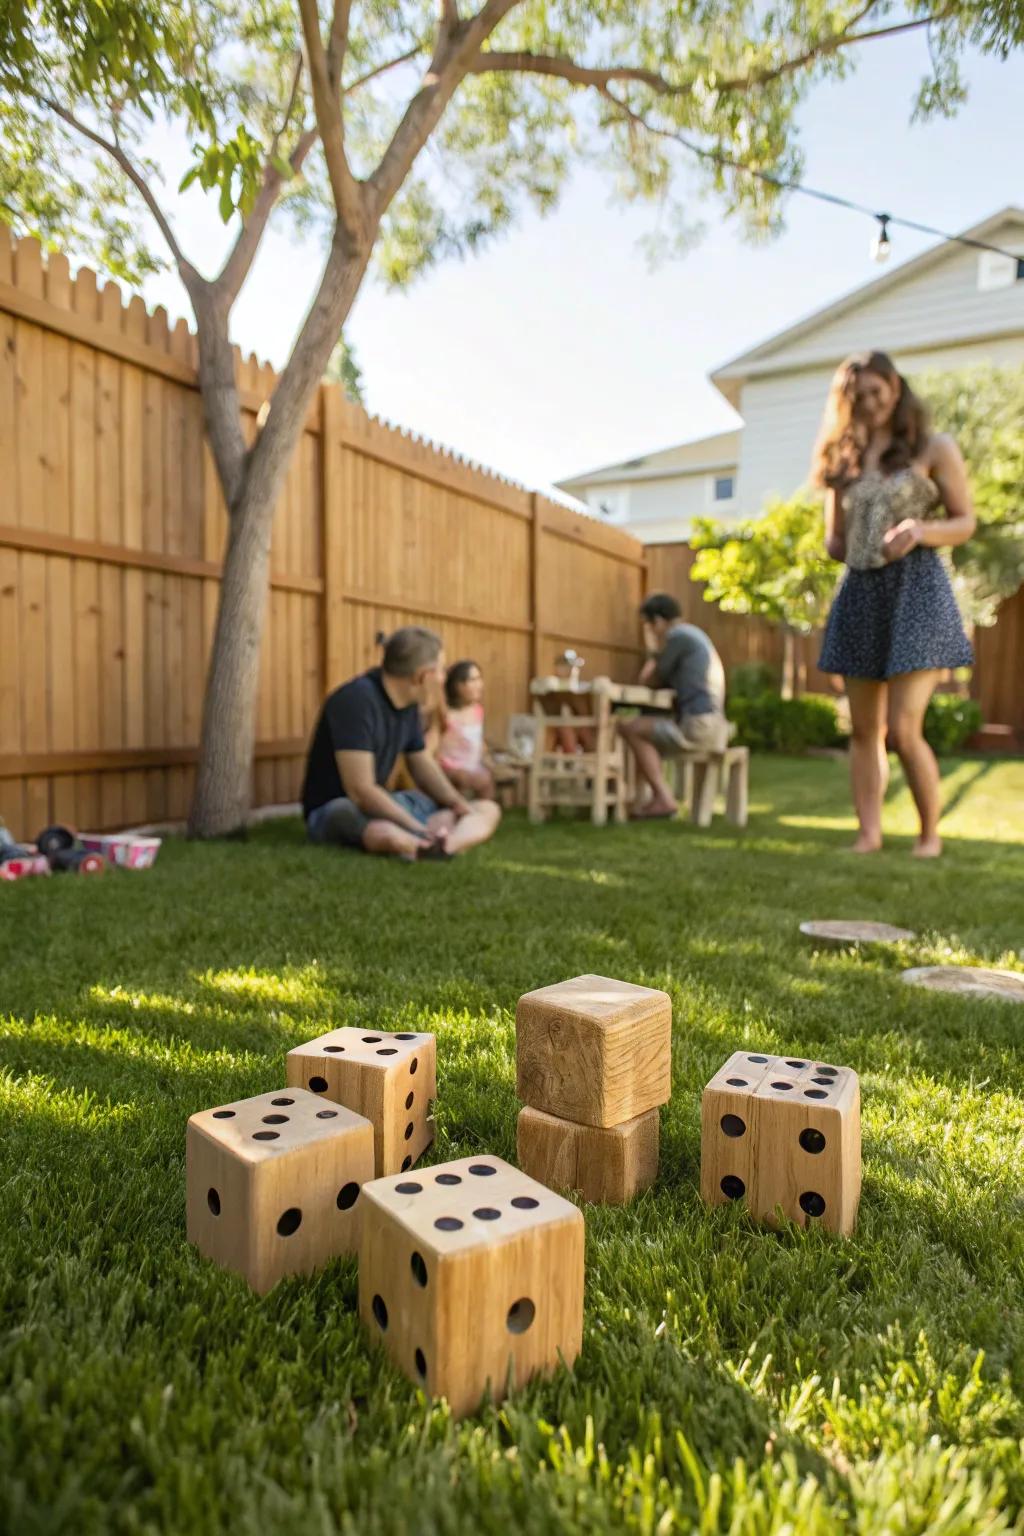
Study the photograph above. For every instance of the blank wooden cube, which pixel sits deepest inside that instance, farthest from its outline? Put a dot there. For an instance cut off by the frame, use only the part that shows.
(274, 1183)
(606, 1165)
(471, 1276)
(783, 1132)
(594, 1050)
(390, 1078)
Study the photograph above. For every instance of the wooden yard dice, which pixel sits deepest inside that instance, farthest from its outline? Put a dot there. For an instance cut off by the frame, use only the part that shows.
(594, 1050)
(274, 1183)
(783, 1132)
(608, 1165)
(389, 1078)
(471, 1276)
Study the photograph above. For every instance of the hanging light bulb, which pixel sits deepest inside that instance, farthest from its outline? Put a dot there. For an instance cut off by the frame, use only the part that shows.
(881, 245)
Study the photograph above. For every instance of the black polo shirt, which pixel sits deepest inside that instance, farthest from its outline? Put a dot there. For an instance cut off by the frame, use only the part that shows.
(358, 717)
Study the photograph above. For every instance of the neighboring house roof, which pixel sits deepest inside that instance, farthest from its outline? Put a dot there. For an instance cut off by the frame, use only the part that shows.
(701, 456)
(766, 356)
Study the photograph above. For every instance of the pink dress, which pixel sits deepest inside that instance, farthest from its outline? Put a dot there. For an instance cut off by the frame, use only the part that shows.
(462, 744)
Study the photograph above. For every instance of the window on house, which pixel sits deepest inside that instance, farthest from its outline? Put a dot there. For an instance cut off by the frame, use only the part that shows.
(724, 487)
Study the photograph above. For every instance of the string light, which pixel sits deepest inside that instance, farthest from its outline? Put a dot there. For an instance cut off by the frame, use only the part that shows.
(881, 245)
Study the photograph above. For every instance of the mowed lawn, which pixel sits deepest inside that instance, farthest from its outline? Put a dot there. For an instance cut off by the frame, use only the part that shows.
(733, 1379)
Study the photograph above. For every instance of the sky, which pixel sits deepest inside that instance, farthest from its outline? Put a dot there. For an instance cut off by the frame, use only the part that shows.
(559, 348)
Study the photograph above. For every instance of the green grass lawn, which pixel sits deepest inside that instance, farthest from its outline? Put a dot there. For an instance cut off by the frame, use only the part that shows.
(733, 1379)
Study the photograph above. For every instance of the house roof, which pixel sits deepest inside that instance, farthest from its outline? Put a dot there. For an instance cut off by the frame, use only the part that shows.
(730, 375)
(700, 456)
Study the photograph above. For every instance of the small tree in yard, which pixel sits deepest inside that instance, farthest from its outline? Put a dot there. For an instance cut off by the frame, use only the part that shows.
(324, 111)
(774, 566)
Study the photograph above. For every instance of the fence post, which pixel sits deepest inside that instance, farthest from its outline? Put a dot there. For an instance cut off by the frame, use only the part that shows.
(536, 630)
(333, 509)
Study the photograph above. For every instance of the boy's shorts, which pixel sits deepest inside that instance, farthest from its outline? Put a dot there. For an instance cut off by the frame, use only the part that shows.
(693, 733)
(341, 820)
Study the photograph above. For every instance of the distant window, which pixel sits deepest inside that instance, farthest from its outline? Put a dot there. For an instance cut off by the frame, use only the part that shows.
(725, 487)
(612, 506)
(998, 271)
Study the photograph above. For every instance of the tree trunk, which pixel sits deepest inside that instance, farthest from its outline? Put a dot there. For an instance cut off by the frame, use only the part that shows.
(223, 780)
(223, 790)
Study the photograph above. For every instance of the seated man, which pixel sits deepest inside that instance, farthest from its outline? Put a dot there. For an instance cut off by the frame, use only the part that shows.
(688, 663)
(362, 729)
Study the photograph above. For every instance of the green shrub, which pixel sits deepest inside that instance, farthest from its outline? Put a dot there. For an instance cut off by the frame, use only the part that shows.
(950, 721)
(768, 723)
(752, 678)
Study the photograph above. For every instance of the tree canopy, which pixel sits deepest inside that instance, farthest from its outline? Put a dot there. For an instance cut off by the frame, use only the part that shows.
(642, 87)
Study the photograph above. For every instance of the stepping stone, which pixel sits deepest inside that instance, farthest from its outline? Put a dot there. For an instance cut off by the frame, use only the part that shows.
(838, 932)
(970, 980)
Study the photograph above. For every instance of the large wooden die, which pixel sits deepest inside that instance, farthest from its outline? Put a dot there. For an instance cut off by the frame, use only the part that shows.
(783, 1132)
(594, 1050)
(607, 1165)
(391, 1078)
(274, 1183)
(471, 1276)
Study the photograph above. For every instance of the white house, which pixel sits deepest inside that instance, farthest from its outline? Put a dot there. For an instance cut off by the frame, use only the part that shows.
(951, 307)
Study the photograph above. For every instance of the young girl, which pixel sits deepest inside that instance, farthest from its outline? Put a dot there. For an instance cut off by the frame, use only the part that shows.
(895, 491)
(462, 752)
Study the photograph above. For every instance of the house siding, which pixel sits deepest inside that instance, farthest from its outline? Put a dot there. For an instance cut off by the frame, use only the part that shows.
(906, 315)
(782, 413)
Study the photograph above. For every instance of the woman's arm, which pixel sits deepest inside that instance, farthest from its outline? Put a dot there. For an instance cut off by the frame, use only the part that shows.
(946, 467)
(835, 524)
(949, 472)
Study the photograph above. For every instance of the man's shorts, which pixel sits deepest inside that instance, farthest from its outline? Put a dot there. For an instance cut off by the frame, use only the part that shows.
(693, 733)
(341, 821)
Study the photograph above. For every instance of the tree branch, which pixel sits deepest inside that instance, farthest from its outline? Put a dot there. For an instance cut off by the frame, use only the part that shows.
(337, 43)
(453, 57)
(563, 68)
(449, 16)
(382, 69)
(845, 39)
(327, 104)
(242, 254)
(130, 169)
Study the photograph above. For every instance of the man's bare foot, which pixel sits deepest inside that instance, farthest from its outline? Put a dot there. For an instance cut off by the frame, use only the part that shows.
(928, 847)
(865, 844)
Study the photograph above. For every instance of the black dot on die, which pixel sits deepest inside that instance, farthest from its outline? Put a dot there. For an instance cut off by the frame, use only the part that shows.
(732, 1187)
(812, 1140)
(448, 1224)
(318, 1085)
(732, 1125)
(812, 1203)
(347, 1196)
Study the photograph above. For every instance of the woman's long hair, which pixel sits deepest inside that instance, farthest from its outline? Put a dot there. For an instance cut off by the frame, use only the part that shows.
(839, 451)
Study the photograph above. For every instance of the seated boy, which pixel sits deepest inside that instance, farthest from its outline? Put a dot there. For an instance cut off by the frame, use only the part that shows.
(363, 728)
(688, 663)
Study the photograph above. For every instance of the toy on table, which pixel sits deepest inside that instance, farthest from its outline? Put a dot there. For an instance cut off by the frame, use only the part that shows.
(593, 1065)
(784, 1133)
(471, 1277)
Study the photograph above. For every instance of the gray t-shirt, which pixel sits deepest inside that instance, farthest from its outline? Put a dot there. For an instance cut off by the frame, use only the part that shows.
(689, 664)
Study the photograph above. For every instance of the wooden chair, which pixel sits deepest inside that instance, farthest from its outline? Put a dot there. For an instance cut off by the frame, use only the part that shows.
(593, 780)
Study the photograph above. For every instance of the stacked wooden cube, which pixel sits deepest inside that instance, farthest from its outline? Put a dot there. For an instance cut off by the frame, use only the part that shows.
(593, 1066)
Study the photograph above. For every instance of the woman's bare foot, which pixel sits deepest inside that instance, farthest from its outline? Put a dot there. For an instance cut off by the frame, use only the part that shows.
(866, 844)
(928, 847)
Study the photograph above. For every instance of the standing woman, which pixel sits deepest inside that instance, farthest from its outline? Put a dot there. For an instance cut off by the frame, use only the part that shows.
(894, 492)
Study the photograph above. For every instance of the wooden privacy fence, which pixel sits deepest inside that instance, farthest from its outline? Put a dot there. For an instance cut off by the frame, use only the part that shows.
(112, 530)
(997, 680)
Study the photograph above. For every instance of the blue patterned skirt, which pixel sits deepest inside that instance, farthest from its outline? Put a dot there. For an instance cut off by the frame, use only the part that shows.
(901, 618)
